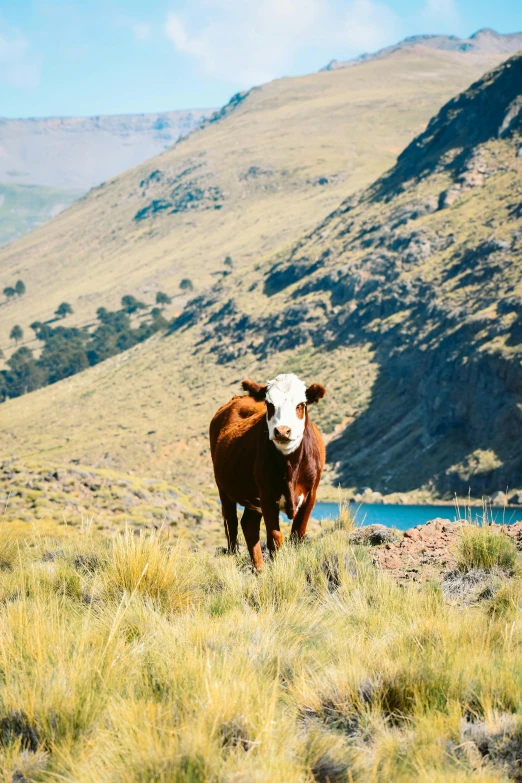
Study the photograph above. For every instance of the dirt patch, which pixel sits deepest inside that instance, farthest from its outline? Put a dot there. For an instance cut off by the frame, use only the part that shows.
(426, 552)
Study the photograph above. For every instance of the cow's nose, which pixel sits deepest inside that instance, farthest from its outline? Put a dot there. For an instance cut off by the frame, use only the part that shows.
(282, 432)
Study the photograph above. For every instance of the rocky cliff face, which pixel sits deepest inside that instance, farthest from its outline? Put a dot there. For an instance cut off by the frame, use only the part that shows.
(426, 268)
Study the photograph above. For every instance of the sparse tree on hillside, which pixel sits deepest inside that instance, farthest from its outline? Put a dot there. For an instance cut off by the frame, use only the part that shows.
(16, 334)
(163, 298)
(130, 304)
(20, 287)
(63, 310)
(228, 262)
(36, 326)
(9, 292)
(186, 284)
(2, 354)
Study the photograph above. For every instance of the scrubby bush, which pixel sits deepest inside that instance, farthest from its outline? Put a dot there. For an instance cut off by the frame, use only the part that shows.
(20, 287)
(186, 284)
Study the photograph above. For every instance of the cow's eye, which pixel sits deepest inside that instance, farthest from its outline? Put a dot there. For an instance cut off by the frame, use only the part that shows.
(270, 410)
(300, 410)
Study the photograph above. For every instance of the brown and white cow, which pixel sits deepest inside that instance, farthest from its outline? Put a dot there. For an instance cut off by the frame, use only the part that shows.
(268, 457)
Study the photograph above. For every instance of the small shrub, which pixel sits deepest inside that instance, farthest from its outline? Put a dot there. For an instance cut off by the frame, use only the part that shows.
(16, 333)
(130, 304)
(63, 310)
(162, 298)
(484, 547)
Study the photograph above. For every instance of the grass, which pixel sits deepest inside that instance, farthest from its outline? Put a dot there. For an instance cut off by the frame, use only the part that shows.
(139, 659)
(485, 547)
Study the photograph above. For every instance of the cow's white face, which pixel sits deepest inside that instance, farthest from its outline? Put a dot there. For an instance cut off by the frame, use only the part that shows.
(286, 412)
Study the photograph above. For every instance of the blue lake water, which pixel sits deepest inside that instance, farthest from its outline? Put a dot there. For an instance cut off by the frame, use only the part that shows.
(405, 517)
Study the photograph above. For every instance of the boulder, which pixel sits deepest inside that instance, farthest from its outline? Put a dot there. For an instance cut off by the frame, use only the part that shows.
(499, 499)
(516, 498)
(374, 535)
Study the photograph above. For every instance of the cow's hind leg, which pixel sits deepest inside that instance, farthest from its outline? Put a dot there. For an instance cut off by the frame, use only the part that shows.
(274, 537)
(229, 511)
(251, 523)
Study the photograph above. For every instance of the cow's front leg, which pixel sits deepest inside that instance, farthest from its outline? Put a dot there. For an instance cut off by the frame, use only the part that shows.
(251, 523)
(274, 537)
(300, 522)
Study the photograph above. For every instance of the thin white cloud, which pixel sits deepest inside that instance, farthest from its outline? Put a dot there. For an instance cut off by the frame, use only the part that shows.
(249, 42)
(141, 31)
(19, 65)
(442, 12)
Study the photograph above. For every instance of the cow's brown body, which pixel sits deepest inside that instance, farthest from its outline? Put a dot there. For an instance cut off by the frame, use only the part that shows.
(252, 472)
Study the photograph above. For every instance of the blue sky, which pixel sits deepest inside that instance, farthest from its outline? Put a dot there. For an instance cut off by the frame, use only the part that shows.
(88, 57)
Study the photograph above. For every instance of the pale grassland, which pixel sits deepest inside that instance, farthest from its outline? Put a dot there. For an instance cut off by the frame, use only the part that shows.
(149, 408)
(137, 659)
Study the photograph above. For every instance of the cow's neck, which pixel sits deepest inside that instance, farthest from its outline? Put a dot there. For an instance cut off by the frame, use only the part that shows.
(290, 470)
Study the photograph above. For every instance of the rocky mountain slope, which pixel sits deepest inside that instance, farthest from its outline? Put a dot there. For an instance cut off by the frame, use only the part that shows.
(424, 269)
(485, 41)
(51, 161)
(403, 301)
(271, 165)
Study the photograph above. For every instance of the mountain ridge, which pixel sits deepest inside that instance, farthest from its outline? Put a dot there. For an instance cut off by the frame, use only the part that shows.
(483, 40)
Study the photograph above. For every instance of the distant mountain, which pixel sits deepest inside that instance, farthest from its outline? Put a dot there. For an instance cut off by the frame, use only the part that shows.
(47, 163)
(485, 41)
(24, 207)
(80, 152)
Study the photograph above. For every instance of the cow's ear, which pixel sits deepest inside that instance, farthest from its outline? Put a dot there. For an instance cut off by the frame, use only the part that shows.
(314, 393)
(255, 390)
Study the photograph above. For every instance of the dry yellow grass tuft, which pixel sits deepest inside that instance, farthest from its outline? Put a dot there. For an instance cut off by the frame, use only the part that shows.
(140, 660)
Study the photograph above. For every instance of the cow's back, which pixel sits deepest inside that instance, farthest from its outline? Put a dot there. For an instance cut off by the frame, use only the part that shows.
(234, 437)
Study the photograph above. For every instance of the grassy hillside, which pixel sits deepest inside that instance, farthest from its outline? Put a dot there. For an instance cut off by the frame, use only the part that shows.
(278, 161)
(139, 658)
(47, 163)
(24, 207)
(148, 409)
